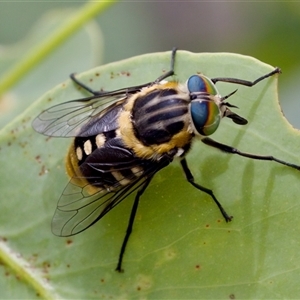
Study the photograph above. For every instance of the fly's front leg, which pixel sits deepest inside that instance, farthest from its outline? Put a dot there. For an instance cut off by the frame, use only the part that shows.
(232, 150)
(246, 82)
(190, 179)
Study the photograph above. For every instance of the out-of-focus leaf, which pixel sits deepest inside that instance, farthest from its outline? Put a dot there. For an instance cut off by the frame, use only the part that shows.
(86, 50)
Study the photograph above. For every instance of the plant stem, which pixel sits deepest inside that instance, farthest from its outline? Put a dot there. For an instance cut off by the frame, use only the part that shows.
(41, 50)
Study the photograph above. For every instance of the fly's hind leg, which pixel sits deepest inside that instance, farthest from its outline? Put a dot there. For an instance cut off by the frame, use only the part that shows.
(85, 87)
(132, 89)
(130, 223)
(171, 72)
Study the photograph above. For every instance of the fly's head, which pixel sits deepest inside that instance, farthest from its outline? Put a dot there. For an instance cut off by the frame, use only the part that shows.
(207, 107)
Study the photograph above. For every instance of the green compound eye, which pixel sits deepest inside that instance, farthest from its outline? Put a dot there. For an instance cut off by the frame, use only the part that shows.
(205, 116)
(205, 113)
(200, 83)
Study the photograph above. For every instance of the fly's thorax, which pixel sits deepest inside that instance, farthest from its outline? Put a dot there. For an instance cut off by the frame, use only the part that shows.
(155, 121)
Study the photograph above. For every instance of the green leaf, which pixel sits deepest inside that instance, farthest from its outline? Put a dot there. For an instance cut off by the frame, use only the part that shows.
(180, 246)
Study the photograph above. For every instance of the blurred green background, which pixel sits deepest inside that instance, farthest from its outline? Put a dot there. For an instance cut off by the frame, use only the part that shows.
(268, 31)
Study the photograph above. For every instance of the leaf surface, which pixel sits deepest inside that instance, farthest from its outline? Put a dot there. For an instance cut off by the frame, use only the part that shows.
(180, 246)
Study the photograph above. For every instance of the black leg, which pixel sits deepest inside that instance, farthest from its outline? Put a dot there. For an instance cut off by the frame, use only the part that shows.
(129, 90)
(246, 82)
(190, 179)
(232, 150)
(130, 223)
(171, 71)
(95, 93)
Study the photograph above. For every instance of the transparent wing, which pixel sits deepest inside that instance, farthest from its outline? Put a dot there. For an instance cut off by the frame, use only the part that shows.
(67, 119)
(79, 207)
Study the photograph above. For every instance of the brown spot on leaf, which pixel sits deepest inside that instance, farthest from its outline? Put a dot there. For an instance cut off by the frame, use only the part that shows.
(69, 242)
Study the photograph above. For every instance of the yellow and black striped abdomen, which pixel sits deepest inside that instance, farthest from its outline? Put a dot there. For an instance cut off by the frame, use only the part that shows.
(106, 167)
